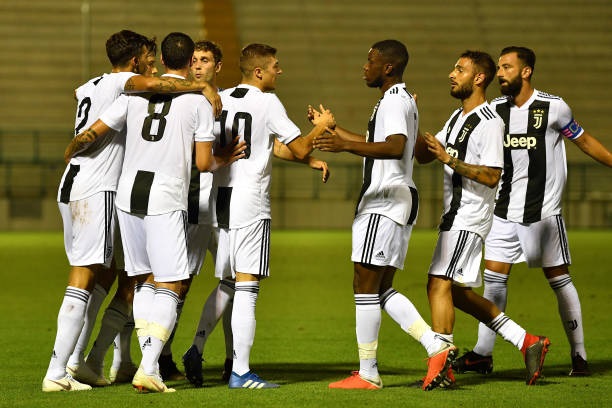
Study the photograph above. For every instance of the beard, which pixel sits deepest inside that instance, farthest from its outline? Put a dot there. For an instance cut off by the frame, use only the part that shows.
(511, 87)
(463, 92)
(374, 83)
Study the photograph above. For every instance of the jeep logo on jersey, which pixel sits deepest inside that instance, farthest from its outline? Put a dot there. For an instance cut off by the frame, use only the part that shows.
(452, 151)
(520, 142)
(538, 114)
(466, 129)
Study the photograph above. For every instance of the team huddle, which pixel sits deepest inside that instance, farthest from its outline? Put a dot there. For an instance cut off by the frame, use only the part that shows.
(163, 169)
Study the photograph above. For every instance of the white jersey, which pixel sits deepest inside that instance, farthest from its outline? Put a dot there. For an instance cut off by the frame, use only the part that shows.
(474, 138)
(388, 188)
(98, 170)
(241, 192)
(534, 156)
(199, 206)
(161, 130)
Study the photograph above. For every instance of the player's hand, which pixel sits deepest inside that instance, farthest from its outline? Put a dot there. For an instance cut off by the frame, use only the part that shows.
(322, 116)
(329, 141)
(215, 100)
(317, 164)
(436, 148)
(226, 155)
(69, 152)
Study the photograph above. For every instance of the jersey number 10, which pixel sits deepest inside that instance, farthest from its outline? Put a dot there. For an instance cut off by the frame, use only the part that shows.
(239, 116)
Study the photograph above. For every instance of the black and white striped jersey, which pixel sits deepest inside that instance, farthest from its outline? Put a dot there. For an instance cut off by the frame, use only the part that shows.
(388, 188)
(161, 130)
(475, 138)
(535, 168)
(241, 192)
(98, 170)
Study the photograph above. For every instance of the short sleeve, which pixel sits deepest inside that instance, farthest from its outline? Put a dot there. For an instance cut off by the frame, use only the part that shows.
(394, 116)
(491, 143)
(205, 122)
(279, 123)
(115, 116)
(567, 124)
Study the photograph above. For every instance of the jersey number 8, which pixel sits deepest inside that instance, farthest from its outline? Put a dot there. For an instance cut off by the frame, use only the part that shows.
(159, 117)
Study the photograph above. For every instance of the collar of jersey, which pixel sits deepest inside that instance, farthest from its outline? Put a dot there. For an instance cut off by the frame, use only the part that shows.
(248, 86)
(173, 76)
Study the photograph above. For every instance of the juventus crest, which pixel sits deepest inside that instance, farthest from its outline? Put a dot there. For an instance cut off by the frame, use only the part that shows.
(467, 128)
(538, 115)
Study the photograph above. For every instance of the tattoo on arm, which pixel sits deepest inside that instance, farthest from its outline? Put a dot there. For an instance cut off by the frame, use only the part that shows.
(129, 85)
(481, 174)
(167, 85)
(88, 136)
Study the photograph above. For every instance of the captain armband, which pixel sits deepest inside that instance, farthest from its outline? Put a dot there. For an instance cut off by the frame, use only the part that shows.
(572, 130)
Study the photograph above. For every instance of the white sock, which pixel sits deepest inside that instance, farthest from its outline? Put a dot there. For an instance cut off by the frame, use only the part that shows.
(115, 317)
(243, 324)
(69, 324)
(508, 329)
(570, 312)
(401, 309)
(93, 307)
(122, 350)
(439, 341)
(215, 306)
(495, 290)
(167, 350)
(367, 325)
(159, 328)
(144, 295)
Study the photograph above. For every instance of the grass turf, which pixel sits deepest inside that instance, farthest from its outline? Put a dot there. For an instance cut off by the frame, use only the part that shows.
(305, 331)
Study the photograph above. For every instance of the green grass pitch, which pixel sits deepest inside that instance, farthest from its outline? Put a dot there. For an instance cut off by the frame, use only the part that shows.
(306, 332)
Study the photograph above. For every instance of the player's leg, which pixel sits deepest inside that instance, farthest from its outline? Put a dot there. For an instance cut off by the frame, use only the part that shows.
(167, 367)
(227, 335)
(502, 250)
(113, 321)
(197, 238)
(533, 348)
(215, 307)
(371, 256)
(398, 306)
(249, 250)
(555, 260)
(166, 248)
(122, 368)
(88, 252)
(405, 314)
(456, 260)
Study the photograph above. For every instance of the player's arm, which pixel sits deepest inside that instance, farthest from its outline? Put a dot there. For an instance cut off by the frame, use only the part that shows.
(314, 116)
(348, 135)
(489, 176)
(141, 83)
(391, 148)
(593, 147)
(281, 151)
(218, 157)
(421, 151)
(81, 141)
(301, 147)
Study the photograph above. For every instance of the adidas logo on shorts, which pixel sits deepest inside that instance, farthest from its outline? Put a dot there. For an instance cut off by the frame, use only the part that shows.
(381, 256)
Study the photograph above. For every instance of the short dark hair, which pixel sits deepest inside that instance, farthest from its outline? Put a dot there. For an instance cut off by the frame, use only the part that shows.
(123, 46)
(177, 50)
(251, 56)
(484, 62)
(523, 53)
(210, 46)
(395, 53)
(151, 45)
